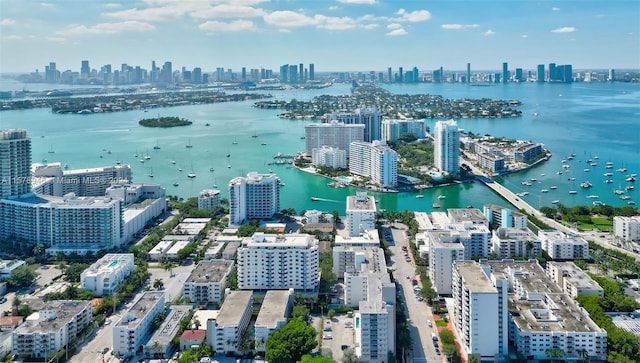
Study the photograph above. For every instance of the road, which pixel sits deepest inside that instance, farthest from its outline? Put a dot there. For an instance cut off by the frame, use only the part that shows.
(419, 312)
(91, 351)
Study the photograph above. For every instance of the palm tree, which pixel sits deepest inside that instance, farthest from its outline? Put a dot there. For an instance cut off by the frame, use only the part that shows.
(196, 324)
(15, 304)
(158, 284)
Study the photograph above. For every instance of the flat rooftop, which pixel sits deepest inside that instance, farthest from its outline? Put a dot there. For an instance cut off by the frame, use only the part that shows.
(139, 309)
(268, 241)
(475, 280)
(64, 312)
(577, 276)
(274, 308)
(209, 271)
(361, 203)
(170, 326)
(233, 308)
(538, 303)
(467, 215)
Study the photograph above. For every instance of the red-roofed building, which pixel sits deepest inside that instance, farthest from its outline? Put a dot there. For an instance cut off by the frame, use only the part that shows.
(10, 322)
(191, 337)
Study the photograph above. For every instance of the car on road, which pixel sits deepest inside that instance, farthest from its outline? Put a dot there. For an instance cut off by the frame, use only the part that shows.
(3, 300)
(327, 337)
(107, 322)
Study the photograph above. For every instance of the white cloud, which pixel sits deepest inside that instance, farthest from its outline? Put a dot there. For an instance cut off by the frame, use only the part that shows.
(288, 19)
(57, 39)
(458, 26)
(111, 5)
(333, 7)
(228, 11)
(106, 28)
(335, 23)
(47, 5)
(394, 26)
(7, 21)
(357, 1)
(222, 27)
(11, 37)
(555, 9)
(489, 32)
(525, 36)
(566, 29)
(397, 32)
(414, 16)
(369, 26)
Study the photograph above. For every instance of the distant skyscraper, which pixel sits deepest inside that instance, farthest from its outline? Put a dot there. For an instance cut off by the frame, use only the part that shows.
(552, 73)
(437, 76)
(197, 75)
(400, 74)
(447, 147)
(85, 71)
(15, 163)
(612, 75)
(416, 76)
(519, 75)
(389, 74)
(167, 72)
(243, 77)
(312, 72)
(540, 73)
(505, 72)
(301, 73)
(293, 74)
(468, 72)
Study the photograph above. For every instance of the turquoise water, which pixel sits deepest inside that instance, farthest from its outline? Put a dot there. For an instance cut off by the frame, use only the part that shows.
(599, 119)
(113, 264)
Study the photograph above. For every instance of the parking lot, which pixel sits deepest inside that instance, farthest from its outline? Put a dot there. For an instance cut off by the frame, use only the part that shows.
(335, 334)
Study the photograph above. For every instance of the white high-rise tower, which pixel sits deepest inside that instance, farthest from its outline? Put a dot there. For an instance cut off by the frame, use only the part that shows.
(15, 163)
(446, 151)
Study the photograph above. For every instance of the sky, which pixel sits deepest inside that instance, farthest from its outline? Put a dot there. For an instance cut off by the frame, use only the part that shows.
(335, 35)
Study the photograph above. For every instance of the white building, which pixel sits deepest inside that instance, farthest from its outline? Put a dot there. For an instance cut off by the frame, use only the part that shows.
(6, 266)
(225, 331)
(174, 250)
(369, 117)
(133, 330)
(505, 217)
(392, 130)
(160, 345)
(446, 152)
(208, 199)
(369, 238)
(361, 213)
(50, 329)
(274, 311)
(15, 163)
(479, 316)
(90, 182)
(256, 196)
(443, 251)
(467, 215)
(207, 282)
(375, 160)
(560, 246)
(572, 279)
(367, 278)
(375, 337)
(315, 216)
(272, 262)
(627, 228)
(515, 242)
(328, 156)
(333, 134)
(159, 251)
(104, 275)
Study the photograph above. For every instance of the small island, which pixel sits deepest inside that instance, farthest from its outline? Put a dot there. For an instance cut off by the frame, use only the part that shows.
(169, 121)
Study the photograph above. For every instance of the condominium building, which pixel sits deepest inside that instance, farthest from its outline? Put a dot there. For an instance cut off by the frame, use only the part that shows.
(627, 228)
(328, 156)
(443, 251)
(544, 322)
(392, 130)
(160, 344)
(572, 279)
(274, 311)
(446, 150)
(134, 327)
(225, 332)
(504, 217)
(528, 152)
(560, 246)
(51, 329)
(367, 278)
(90, 182)
(256, 196)
(272, 262)
(369, 117)
(361, 213)
(493, 162)
(104, 275)
(515, 242)
(480, 314)
(368, 238)
(375, 336)
(475, 238)
(15, 163)
(375, 160)
(207, 282)
(208, 199)
(467, 215)
(333, 134)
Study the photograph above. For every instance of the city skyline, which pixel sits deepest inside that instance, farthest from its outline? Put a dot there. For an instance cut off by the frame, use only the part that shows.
(374, 34)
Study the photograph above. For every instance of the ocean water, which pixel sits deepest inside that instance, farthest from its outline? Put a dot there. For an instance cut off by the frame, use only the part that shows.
(589, 119)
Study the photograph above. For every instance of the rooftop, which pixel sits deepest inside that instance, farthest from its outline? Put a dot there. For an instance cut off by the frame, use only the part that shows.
(210, 271)
(233, 307)
(293, 240)
(170, 326)
(274, 308)
(140, 308)
(361, 202)
(467, 215)
(475, 280)
(55, 315)
(577, 276)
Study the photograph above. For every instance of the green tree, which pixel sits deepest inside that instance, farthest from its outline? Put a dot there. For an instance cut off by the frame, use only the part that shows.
(188, 356)
(349, 356)
(158, 284)
(290, 342)
(301, 312)
(73, 271)
(22, 276)
(308, 358)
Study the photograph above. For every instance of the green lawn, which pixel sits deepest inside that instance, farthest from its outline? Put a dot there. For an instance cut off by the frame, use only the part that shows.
(440, 323)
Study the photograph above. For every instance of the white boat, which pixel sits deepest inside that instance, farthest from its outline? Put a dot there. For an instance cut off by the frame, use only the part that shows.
(625, 197)
(608, 181)
(191, 175)
(586, 184)
(630, 179)
(573, 192)
(435, 205)
(175, 184)
(188, 145)
(629, 187)
(555, 202)
(586, 170)
(622, 170)
(419, 196)
(553, 187)
(545, 191)
(441, 196)
(522, 194)
(593, 196)
(597, 203)
(608, 174)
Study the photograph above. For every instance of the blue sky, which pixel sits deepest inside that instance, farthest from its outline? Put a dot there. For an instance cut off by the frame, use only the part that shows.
(347, 35)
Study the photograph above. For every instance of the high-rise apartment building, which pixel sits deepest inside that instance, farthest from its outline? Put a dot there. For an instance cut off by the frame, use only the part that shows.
(277, 262)
(375, 160)
(505, 217)
(443, 251)
(515, 242)
(505, 72)
(540, 73)
(329, 156)
(15, 162)
(85, 71)
(312, 72)
(332, 134)
(447, 147)
(369, 117)
(468, 72)
(253, 196)
(627, 228)
(392, 130)
(361, 213)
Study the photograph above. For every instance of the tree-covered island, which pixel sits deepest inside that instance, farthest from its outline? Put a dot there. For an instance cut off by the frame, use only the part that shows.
(169, 121)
